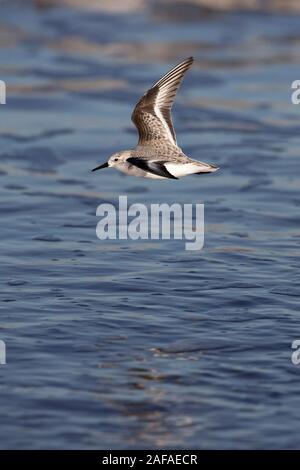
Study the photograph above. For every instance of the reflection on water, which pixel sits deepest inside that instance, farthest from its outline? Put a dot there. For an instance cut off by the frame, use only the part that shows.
(133, 344)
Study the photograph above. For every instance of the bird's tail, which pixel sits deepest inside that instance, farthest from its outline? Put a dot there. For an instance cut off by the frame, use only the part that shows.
(206, 168)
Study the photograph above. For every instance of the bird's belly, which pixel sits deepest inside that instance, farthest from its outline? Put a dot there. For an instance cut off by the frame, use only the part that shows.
(181, 169)
(133, 170)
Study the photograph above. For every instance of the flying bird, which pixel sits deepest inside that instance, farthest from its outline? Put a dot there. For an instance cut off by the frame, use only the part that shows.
(157, 154)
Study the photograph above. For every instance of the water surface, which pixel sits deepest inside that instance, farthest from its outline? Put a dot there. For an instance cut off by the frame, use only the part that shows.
(122, 344)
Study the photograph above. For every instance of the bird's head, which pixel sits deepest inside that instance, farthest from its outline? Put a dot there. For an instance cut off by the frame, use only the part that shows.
(114, 160)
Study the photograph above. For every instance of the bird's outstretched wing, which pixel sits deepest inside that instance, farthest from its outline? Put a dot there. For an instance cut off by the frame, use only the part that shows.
(152, 114)
(151, 166)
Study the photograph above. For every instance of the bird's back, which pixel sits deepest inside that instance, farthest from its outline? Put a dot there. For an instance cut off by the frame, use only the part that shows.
(162, 151)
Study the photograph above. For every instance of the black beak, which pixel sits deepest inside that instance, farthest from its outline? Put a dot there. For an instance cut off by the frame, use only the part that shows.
(105, 165)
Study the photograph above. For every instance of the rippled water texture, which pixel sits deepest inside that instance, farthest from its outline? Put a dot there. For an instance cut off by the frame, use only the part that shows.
(122, 344)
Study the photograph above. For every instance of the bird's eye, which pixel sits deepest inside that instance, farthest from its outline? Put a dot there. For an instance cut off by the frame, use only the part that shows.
(116, 159)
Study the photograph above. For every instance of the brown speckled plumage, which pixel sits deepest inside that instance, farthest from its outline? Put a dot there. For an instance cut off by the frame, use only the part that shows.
(152, 114)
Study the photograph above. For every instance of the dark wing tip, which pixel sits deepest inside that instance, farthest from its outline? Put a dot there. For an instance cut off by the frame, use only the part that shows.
(189, 60)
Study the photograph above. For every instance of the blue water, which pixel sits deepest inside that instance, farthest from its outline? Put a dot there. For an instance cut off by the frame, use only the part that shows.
(121, 344)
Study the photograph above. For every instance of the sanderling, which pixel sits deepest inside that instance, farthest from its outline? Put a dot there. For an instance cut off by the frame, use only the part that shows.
(157, 154)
